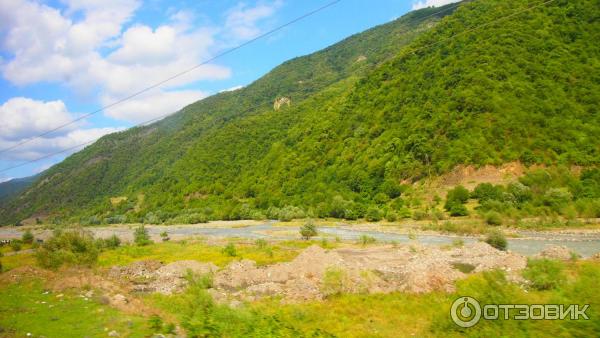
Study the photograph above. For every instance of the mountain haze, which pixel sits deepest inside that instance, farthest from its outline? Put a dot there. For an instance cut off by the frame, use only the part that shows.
(402, 101)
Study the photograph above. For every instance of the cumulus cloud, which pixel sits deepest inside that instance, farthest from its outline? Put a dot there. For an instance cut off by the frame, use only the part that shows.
(431, 3)
(242, 20)
(94, 46)
(23, 118)
(152, 105)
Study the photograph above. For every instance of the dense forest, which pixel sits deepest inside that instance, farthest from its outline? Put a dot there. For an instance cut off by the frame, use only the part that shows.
(477, 83)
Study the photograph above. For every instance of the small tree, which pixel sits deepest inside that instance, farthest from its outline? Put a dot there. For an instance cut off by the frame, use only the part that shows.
(308, 230)
(141, 236)
(27, 237)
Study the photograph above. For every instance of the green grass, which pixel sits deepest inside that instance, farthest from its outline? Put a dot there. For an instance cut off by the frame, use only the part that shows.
(405, 315)
(15, 261)
(28, 308)
(175, 251)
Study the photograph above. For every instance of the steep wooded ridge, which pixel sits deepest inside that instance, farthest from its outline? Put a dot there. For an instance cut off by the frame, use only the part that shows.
(401, 101)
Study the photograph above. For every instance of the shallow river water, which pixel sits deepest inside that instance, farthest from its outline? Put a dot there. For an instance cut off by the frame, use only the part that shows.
(528, 243)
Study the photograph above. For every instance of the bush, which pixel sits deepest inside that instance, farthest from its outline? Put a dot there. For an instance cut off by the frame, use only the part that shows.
(366, 239)
(261, 243)
(487, 191)
(334, 281)
(557, 197)
(196, 218)
(544, 274)
(111, 242)
(497, 240)
(164, 236)
(493, 218)
(229, 250)
(141, 236)
(373, 214)
(418, 215)
(459, 194)
(308, 230)
(75, 247)
(289, 212)
(27, 237)
(16, 245)
(458, 210)
(391, 216)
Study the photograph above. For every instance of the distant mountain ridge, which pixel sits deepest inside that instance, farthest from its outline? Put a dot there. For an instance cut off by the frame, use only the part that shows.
(13, 187)
(396, 103)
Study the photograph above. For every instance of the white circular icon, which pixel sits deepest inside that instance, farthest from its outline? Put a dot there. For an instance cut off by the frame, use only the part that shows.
(465, 311)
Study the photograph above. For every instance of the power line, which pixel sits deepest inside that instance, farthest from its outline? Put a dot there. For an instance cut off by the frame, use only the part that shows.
(165, 115)
(410, 52)
(160, 83)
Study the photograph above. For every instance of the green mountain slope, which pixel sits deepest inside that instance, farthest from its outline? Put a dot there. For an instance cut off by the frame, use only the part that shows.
(525, 88)
(13, 187)
(119, 164)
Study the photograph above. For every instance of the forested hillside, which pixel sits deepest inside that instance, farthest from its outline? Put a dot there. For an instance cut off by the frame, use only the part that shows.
(13, 187)
(395, 104)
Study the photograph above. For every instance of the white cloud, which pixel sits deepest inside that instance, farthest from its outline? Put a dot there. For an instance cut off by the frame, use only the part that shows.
(5, 179)
(432, 3)
(242, 20)
(234, 88)
(152, 105)
(23, 118)
(93, 46)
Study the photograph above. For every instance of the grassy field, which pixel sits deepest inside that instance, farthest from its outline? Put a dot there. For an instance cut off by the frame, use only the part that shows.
(29, 309)
(399, 314)
(197, 250)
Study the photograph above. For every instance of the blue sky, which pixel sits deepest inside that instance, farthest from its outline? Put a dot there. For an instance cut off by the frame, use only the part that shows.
(64, 58)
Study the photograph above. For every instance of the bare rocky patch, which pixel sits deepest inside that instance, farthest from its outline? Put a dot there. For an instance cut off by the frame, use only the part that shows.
(317, 273)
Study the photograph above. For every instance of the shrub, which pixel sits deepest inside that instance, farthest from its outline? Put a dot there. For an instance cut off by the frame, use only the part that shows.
(373, 214)
(391, 216)
(458, 210)
(27, 237)
(557, 197)
(497, 240)
(196, 218)
(111, 242)
(16, 245)
(350, 214)
(141, 236)
(334, 281)
(487, 191)
(544, 274)
(260, 243)
(229, 250)
(493, 218)
(289, 212)
(419, 215)
(459, 194)
(152, 218)
(75, 247)
(164, 236)
(366, 239)
(392, 189)
(308, 230)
